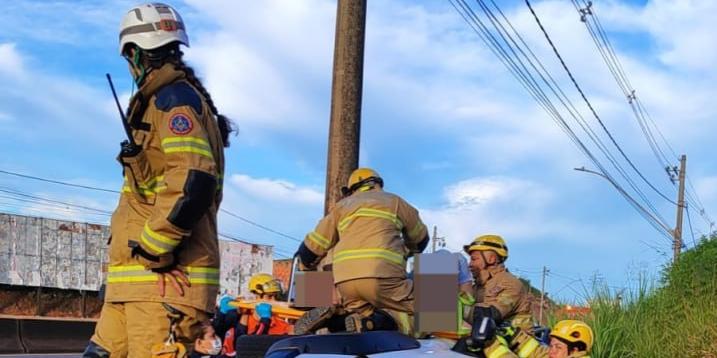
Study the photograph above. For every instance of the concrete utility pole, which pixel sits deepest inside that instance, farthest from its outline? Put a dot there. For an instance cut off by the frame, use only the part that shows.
(345, 127)
(441, 241)
(677, 246)
(542, 295)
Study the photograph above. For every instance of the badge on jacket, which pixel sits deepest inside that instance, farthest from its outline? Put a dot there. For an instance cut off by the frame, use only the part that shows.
(180, 124)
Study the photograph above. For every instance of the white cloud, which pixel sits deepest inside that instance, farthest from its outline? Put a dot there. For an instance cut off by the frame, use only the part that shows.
(277, 190)
(265, 63)
(11, 63)
(512, 207)
(49, 101)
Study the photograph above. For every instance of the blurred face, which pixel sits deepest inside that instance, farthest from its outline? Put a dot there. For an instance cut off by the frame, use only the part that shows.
(209, 343)
(558, 349)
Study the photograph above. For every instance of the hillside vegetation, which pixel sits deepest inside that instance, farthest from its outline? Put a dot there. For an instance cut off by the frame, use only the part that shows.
(673, 317)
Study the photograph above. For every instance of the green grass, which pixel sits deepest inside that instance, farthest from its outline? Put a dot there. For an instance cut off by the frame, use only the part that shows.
(674, 316)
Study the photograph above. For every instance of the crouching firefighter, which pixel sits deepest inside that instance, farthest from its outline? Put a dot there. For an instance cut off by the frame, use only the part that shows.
(498, 297)
(164, 230)
(372, 232)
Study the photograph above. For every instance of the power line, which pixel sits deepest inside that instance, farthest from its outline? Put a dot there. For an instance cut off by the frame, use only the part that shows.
(590, 106)
(58, 182)
(518, 69)
(609, 55)
(37, 198)
(574, 112)
(689, 220)
(263, 227)
(260, 226)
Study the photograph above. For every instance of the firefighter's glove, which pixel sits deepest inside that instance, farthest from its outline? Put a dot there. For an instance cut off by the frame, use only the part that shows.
(157, 263)
(263, 310)
(482, 334)
(224, 306)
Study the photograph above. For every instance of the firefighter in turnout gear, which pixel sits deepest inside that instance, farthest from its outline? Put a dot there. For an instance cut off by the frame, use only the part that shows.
(372, 232)
(498, 295)
(163, 252)
(568, 339)
(571, 339)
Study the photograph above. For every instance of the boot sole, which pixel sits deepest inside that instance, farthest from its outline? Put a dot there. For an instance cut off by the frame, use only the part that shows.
(312, 320)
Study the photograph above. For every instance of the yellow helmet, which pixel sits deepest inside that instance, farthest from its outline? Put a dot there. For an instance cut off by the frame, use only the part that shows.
(573, 332)
(263, 283)
(360, 177)
(488, 243)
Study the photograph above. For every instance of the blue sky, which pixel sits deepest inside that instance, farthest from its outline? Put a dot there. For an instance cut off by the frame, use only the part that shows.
(443, 121)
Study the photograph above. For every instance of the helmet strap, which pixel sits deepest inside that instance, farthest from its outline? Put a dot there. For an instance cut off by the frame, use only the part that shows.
(482, 255)
(137, 64)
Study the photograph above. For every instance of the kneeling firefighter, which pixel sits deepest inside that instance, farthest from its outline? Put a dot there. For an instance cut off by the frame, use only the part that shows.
(372, 232)
(164, 229)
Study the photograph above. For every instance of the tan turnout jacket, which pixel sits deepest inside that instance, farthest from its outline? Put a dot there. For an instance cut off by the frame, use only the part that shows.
(170, 197)
(499, 288)
(371, 233)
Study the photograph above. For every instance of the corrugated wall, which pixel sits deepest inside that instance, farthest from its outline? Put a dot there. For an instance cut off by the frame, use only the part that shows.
(70, 255)
(51, 253)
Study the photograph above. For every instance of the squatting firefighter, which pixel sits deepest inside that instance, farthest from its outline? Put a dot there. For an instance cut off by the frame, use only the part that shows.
(232, 323)
(164, 230)
(372, 232)
(498, 295)
(568, 339)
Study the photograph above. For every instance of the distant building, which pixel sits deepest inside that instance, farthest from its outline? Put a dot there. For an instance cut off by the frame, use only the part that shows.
(48, 253)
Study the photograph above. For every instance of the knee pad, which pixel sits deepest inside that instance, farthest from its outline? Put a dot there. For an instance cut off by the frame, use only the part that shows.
(94, 350)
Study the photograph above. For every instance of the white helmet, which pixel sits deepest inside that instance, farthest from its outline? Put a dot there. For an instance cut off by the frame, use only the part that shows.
(150, 26)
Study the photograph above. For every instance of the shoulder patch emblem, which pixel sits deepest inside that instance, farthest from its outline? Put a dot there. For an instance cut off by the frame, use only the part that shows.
(180, 124)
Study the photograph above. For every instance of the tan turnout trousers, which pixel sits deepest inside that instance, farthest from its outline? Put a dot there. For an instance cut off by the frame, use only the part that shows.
(131, 329)
(392, 295)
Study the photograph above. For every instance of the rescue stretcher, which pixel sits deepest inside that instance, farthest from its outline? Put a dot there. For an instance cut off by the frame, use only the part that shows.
(369, 344)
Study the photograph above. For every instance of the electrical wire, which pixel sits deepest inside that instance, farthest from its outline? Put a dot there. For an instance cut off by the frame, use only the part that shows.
(590, 106)
(689, 221)
(590, 17)
(518, 69)
(108, 213)
(58, 182)
(266, 228)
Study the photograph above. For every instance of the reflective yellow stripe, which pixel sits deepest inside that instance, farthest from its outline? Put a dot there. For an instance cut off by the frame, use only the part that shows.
(197, 140)
(319, 239)
(528, 347)
(497, 350)
(404, 323)
(187, 145)
(203, 269)
(159, 243)
(125, 268)
(148, 188)
(383, 254)
(416, 229)
(188, 149)
(137, 274)
(375, 213)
